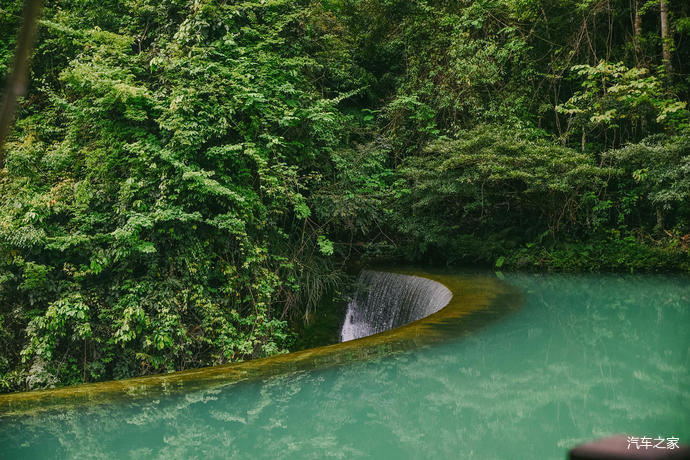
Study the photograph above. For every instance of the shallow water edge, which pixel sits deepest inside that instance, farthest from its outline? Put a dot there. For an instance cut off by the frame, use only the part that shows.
(477, 300)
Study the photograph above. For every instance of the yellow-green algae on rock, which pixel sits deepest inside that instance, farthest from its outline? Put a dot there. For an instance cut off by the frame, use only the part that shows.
(477, 300)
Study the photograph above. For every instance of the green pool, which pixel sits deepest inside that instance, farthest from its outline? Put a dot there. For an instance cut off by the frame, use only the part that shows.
(583, 357)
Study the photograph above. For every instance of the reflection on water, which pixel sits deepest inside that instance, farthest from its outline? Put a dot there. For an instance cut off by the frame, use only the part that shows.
(586, 357)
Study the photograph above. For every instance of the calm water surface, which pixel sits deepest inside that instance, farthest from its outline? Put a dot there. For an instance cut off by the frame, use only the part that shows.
(586, 357)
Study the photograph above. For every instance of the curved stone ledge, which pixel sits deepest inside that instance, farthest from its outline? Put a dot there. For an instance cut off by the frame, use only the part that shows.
(476, 301)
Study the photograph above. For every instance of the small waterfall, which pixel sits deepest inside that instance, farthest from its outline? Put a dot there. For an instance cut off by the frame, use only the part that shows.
(388, 300)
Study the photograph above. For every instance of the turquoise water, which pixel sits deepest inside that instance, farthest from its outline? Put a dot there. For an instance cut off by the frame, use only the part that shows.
(586, 357)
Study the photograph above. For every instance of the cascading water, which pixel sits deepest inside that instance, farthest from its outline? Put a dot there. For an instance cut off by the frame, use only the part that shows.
(388, 300)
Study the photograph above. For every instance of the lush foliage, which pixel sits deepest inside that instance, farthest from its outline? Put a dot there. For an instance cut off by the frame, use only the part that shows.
(186, 181)
(152, 207)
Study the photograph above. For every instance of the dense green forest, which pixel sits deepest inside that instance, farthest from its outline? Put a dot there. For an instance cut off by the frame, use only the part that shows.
(187, 181)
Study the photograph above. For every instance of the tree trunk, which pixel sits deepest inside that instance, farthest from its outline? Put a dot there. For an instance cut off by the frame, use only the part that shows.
(637, 33)
(16, 83)
(583, 139)
(665, 39)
